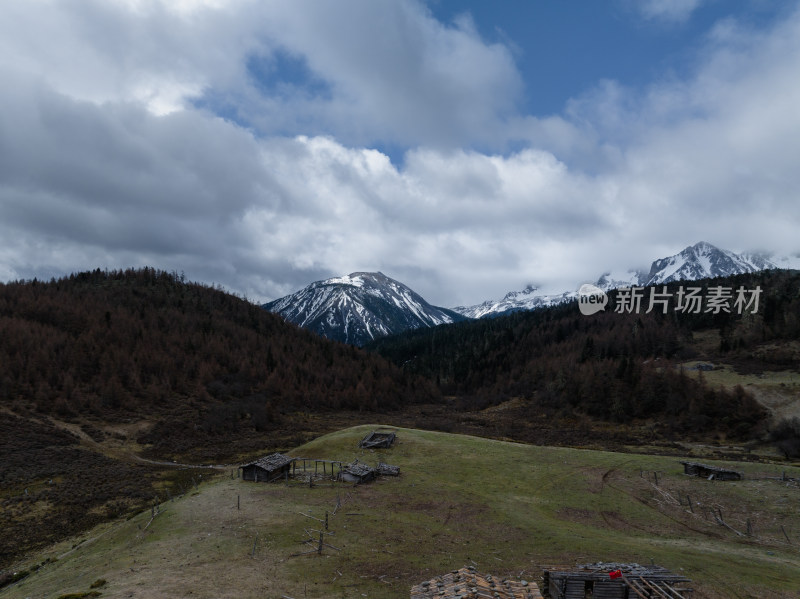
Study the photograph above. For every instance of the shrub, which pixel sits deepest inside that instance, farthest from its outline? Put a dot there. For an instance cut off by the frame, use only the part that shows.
(786, 436)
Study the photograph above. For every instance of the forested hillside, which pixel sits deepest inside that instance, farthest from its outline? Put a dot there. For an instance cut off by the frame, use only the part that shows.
(612, 366)
(143, 342)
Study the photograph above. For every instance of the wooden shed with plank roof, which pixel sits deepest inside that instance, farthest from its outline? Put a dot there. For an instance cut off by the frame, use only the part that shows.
(269, 468)
(710, 472)
(357, 472)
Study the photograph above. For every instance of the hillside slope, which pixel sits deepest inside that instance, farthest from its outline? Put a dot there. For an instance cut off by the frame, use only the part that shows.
(506, 508)
(101, 368)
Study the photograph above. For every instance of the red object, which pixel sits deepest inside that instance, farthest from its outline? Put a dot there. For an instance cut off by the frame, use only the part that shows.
(615, 574)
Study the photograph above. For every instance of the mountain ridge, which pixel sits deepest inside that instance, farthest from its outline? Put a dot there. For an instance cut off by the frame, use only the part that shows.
(363, 306)
(698, 261)
(359, 307)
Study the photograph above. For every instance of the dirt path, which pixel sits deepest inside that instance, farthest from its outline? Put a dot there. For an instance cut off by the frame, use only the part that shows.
(784, 403)
(118, 452)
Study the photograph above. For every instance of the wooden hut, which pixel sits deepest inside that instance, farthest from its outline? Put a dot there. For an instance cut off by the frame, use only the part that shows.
(467, 582)
(710, 472)
(614, 581)
(267, 469)
(378, 439)
(357, 472)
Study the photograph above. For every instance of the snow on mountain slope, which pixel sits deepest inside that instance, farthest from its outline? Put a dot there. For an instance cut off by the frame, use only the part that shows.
(527, 299)
(703, 260)
(359, 307)
(791, 262)
(615, 280)
(699, 261)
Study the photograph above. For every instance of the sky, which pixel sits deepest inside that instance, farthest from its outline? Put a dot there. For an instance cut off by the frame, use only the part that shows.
(466, 149)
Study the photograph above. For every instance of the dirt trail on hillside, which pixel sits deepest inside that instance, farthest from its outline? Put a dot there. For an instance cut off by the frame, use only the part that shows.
(118, 452)
(783, 404)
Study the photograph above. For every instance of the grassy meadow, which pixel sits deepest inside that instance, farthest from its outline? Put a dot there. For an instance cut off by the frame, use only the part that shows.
(509, 509)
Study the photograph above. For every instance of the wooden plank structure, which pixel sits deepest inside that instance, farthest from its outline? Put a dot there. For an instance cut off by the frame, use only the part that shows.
(467, 583)
(387, 469)
(378, 439)
(595, 581)
(277, 466)
(267, 469)
(330, 468)
(358, 472)
(710, 472)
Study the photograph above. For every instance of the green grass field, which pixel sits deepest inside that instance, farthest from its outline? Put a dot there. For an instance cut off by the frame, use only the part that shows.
(507, 508)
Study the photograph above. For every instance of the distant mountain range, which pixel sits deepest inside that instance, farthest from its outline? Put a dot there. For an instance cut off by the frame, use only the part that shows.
(363, 306)
(699, 261)
(360, 307)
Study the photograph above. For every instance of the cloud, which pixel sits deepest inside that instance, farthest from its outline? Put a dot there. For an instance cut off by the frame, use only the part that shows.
(672, 11)
(720, 146)
(392, 75)
(187, 192)
(135, 133)
(158, 54)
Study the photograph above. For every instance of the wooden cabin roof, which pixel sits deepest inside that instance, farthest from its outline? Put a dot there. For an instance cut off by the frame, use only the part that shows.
(271, 462)
(357, 468)
(708, 468)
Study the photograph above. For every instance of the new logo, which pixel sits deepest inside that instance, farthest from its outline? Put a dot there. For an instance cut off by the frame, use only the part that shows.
(591, 299)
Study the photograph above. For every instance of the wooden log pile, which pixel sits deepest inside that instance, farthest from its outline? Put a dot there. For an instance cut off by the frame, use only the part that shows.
(467, 583)
(387, 469)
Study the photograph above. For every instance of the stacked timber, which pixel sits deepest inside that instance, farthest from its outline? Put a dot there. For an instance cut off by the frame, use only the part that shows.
(467, 583)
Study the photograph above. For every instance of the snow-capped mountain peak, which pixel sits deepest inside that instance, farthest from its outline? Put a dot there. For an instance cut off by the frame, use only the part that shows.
(703, 260)
(616, 279)
(699, 261)
(529, 291)
(359, 307)
(527, 299)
